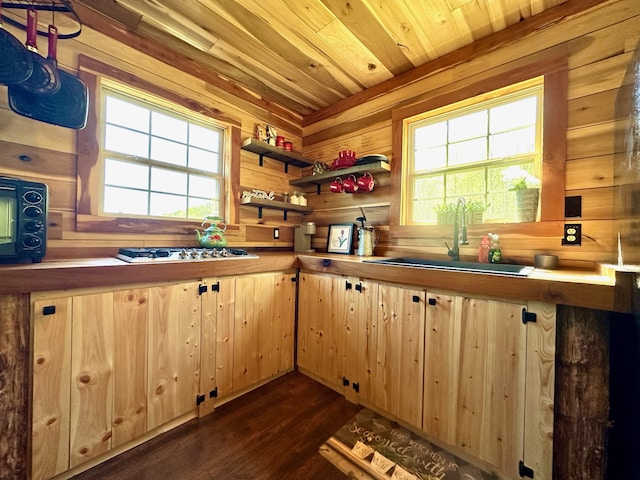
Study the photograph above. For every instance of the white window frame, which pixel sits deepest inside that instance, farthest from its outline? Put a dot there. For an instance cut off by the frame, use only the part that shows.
(165, 107)
(534, 86)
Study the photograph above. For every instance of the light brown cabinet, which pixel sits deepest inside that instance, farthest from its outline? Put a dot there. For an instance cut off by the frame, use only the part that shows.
(89, 389)
(466, 371)
(475, 376)
(483, 389)
(112, 366)
(400, 352)
(263, 328)
(321, 328)
(364, 339)
(173, 352)
(51, 386)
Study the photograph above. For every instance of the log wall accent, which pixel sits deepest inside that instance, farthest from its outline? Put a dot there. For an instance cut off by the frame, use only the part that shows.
(15, 422)
(599, 45)
(581, 424)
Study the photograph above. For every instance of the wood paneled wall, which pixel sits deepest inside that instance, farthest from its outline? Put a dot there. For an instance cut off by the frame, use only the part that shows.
(51, 151)
(599, 45)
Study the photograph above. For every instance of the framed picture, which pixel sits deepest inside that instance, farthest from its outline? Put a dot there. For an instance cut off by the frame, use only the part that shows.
(340, 239)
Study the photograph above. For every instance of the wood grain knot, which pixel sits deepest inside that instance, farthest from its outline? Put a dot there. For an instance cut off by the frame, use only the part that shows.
(84, 378)
(51, 421)
(159, 390)
(41, 360)
(118, 420)
(107, 436)
(140, 409)
(83, 450)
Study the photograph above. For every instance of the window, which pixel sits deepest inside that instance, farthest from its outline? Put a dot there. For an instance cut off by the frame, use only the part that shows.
(159, 160)
(473, 149)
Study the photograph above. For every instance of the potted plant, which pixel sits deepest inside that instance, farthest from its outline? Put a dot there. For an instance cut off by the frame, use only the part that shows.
(526, 188)
(475, 211)
(446, 213)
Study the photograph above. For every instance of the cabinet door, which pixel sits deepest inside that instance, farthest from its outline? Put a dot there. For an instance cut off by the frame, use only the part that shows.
(358, 308)
(92, 377)
(400, 352)
(216, 345)
(173, 354)
(264, 316)
(282, 306)
(225, 338)
(474, 380)
(320, 328)
(51, 386)
(541, 354)
(130, 321)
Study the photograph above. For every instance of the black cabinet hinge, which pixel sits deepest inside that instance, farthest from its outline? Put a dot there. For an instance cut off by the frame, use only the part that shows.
(356, 387)
(202, 289)
(528, 316)
(213, 393)
(49, 310)
(199, 399)
(359, 287)
(524, 471)
(215, 287)
(348, 285)
(345, 382)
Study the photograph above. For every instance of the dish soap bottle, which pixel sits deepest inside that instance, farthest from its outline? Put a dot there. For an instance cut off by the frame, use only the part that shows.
(483, 250)
(495, 254)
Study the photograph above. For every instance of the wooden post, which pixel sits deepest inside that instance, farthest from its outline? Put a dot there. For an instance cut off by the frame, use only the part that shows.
(15, 423)
(581, 424)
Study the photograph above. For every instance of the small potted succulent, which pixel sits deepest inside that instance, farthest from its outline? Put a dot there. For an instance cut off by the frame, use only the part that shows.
(475, 211)
(446, 213)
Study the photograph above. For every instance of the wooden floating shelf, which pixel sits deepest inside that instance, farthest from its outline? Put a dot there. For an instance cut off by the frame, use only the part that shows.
(261, 203)
(266, 150)
(328, 177)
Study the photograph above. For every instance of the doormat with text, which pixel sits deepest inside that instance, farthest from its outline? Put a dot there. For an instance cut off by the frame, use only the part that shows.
(371, 446)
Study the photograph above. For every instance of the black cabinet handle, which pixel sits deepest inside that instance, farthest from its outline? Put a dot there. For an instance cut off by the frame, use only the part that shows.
(348, 285)
(432, 301)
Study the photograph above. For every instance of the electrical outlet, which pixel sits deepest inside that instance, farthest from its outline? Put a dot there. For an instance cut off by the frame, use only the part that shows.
(572, 234)
(276, 233)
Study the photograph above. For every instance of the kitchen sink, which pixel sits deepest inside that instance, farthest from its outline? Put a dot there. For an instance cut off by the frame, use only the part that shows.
(509, 270)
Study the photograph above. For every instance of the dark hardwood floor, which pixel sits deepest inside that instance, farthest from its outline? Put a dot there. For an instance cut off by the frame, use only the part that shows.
(271, 433)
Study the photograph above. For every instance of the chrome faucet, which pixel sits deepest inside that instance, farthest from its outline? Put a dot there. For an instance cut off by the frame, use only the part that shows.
(459, 230)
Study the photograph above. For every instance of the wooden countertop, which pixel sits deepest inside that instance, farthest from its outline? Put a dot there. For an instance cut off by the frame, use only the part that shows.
(101, 272)
(611, 290)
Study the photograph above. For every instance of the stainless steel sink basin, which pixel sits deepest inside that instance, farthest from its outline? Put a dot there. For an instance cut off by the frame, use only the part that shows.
(486, 268)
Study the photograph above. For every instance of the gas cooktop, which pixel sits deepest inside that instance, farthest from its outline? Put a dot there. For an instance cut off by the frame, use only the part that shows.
(163, 254)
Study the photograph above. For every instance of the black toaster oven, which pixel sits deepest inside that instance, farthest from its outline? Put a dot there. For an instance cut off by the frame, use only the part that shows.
(23, 220)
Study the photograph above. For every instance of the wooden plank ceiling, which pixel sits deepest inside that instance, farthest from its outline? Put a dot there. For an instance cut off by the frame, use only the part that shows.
(306, 55)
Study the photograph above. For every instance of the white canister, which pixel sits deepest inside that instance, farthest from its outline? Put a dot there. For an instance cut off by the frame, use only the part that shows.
(294, 198)
(365, 241)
